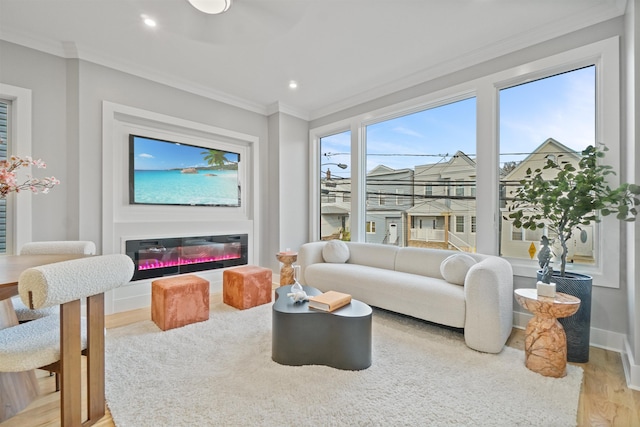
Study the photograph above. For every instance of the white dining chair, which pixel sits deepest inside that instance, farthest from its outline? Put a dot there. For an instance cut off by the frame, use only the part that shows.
(57, 342)
(62, 247)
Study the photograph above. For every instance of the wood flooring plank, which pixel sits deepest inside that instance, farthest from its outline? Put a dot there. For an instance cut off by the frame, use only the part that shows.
(605, 400)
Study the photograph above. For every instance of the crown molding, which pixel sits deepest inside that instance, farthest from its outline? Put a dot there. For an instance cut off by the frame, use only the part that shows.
(70, 50)
(551, 30)
(462, 60)
(279, 107)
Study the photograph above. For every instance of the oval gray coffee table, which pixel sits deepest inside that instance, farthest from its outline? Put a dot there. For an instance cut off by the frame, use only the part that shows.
(304, 336)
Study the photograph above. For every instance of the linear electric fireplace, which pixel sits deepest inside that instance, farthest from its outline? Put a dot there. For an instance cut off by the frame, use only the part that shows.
(179, 255)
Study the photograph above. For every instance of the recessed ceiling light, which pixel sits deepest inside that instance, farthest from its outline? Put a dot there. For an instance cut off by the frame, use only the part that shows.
(293, 84)
(149, 22)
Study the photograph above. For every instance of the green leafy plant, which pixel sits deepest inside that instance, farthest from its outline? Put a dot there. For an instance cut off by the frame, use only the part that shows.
(574, 197)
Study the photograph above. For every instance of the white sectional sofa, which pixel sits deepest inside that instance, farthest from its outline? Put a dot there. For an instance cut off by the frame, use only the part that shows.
(476, 295)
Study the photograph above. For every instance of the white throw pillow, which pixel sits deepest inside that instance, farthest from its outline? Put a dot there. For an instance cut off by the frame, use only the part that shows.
(455, 267)
(335, 251)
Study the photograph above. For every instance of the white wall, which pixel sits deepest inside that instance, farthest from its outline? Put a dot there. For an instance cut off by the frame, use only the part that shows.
(631, 355)
(67, 133)
(45, 76)
(609, 306)
(288, 185)
(68, 98)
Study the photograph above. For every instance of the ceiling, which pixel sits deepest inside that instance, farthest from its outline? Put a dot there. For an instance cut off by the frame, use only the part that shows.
(341, 52)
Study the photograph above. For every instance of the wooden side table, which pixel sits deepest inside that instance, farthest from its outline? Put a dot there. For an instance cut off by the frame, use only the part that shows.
(286, 272)
(545, 344)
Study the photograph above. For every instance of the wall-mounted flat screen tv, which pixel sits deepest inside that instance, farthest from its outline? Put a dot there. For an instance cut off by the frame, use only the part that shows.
(171, 173)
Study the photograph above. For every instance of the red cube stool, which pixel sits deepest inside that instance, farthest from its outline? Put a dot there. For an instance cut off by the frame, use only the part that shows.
(178, 301)
(246, 287)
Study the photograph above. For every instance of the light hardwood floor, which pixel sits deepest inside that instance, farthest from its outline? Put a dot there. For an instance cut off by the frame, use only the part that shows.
(605, 399)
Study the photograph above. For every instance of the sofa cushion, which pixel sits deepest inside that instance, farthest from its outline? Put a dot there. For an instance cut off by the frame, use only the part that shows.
(423, 297)
(455, 267)
(422, 261)
(335, 251)
(372, 255)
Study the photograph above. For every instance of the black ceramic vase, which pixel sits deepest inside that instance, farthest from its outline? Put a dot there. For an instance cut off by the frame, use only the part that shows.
(577, 327)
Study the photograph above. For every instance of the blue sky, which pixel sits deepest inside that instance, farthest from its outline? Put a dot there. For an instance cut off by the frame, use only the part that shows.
(152, 154)
(560, 107)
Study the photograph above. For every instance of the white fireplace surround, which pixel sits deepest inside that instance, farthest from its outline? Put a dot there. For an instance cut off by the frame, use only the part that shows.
(122, 221)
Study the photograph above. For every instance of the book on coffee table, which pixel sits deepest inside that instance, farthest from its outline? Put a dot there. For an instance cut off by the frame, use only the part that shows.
(329, 301)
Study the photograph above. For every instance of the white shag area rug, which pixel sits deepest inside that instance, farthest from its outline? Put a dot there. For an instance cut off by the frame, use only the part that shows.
(220, 373)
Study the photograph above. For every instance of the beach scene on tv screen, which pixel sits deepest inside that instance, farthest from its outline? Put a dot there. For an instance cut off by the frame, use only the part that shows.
(170, 173)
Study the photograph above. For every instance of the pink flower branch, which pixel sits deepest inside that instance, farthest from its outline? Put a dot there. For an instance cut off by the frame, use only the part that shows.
(9, 182)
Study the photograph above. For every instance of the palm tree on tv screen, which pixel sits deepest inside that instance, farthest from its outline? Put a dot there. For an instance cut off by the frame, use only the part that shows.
(215, 157)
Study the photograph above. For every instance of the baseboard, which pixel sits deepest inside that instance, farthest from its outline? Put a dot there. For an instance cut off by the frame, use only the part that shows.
(631, 369)
(138, 295)
(607, 340)
(600, 338)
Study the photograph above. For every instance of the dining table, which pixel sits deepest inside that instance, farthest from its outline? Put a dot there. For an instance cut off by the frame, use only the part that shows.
(18, 389)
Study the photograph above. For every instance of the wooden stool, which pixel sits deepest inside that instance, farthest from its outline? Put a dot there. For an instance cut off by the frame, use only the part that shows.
(178, 301)
(246, 287)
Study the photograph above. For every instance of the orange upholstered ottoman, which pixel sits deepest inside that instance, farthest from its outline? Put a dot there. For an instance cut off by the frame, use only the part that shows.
(178, 301)
(246, 287)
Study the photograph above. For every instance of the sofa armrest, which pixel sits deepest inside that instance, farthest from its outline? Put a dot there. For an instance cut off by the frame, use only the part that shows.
(488, 291)
(309, 253)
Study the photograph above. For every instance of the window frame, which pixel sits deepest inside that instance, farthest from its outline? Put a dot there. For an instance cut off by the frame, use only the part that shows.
(603, 54)
(19, 209)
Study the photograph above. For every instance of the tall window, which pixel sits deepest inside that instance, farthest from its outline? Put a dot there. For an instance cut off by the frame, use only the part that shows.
(4, 141)
(418, 155)
(546, 107)
(550, 118)
(335, 186)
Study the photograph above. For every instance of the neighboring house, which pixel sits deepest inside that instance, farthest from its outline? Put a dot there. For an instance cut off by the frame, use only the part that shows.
(335, 207)
(517, 242)
(444, 214)
(389, 195)
(436, 206)
(433, 206)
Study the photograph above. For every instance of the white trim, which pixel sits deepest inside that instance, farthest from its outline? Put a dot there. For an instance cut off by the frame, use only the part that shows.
(119, 219)
(600, 338)
(461, 60)
(464, 60)
(279, 107)
(70, 50)
(20, 128)
(631, 368)
(605, 54)
(119, 120)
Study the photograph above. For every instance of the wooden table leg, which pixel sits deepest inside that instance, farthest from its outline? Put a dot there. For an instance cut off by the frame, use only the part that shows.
(17, 389)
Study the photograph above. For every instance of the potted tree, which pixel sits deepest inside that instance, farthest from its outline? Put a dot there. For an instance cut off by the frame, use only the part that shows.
(562, 199)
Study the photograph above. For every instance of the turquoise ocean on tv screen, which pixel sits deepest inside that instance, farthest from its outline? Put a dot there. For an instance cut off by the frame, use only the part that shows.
(207, 187)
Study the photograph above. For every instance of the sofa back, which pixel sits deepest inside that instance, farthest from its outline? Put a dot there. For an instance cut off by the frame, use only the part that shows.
(372, 255)
(425, 261)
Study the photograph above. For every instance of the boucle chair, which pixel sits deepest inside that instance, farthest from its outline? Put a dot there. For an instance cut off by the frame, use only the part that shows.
(81, 247)
(59, 339)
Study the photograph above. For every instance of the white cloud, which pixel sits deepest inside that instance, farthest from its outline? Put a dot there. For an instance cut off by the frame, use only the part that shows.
(406, 131)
